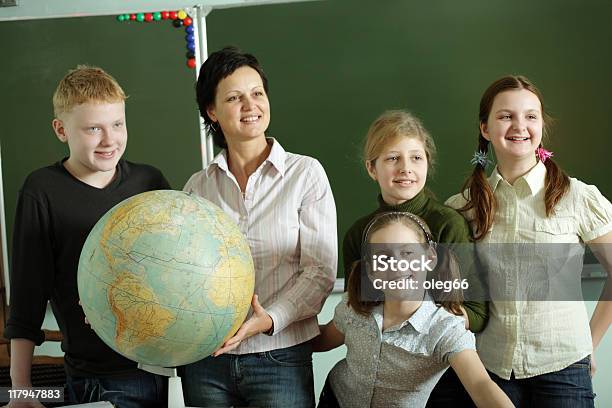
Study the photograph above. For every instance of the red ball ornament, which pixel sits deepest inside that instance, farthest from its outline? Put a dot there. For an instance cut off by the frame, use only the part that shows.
(187, 21)
(173, 15)
(165, 15)
(148, 17)
(191, 63)
(133, 17)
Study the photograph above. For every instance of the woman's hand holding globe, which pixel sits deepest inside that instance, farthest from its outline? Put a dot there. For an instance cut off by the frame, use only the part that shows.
(259, 322)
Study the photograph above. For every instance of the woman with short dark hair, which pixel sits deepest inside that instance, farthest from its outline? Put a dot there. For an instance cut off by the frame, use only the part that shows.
(283, 204)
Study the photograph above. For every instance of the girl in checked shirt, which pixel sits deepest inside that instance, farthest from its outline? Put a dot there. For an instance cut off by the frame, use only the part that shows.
(401, 341)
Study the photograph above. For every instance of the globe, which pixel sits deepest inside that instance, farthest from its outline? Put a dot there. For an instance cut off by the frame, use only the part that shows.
(165, 277)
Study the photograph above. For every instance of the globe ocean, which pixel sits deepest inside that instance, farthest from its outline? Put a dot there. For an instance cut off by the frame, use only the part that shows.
(165, 277)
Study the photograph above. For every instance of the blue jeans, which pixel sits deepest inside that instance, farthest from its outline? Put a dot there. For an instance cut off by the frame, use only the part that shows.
(139, 390)
(567, 388)
(278, 378)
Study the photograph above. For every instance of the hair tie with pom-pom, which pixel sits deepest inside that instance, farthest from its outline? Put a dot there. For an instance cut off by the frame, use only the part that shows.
(543, 154)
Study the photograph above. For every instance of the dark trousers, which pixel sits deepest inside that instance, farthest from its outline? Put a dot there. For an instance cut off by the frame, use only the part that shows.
(327, 399)
(449, 392)
(567, 388)
(140, 390)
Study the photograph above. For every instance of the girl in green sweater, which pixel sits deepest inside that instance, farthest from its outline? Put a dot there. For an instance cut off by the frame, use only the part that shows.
(399, 153)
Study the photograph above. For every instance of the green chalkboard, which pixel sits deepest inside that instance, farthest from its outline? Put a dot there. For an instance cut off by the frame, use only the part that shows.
(333, 67)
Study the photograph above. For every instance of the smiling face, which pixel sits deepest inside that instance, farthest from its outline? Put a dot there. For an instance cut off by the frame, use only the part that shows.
(400, 170)
(96, 135)
(241, 106)
(514, 126)
(398, 241)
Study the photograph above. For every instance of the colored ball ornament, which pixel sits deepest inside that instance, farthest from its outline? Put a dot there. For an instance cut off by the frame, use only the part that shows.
(157, 16)
(187, 21)
(191, 46)
(173, 15)
(191, 63)
(189, 29)
(165, 15)
(140, 17)
(121, 18)
(177, 23)
(190, 54)
(133, 17)
(148, 17)
(181, 14)
(189, 38)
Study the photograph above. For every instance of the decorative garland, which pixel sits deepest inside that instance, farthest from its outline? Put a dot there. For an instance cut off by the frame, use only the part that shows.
(179, 19)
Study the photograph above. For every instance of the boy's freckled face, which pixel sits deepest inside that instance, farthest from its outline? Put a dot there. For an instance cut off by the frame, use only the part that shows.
(96, 135)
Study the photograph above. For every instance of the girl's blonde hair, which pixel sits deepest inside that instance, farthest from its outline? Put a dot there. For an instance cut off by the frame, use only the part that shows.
(390, 126)
(447, 268)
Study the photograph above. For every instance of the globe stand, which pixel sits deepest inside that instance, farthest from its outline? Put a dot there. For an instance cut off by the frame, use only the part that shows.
(175, 388)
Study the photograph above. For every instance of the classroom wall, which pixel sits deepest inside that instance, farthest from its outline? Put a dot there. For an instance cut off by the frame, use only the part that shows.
(333, 67)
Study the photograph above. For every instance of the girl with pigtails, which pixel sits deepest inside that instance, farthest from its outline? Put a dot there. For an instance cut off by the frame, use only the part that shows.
(539, 352)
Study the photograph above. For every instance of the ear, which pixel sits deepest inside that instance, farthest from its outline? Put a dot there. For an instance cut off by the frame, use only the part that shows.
(60, 131)
(371, 169)
(484, 131)
(210, 111)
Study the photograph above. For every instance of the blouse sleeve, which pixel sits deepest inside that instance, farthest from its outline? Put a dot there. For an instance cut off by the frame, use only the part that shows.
(457, 201)
(341, 313)
(595, 214)
(454, 339)
(318, 252)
